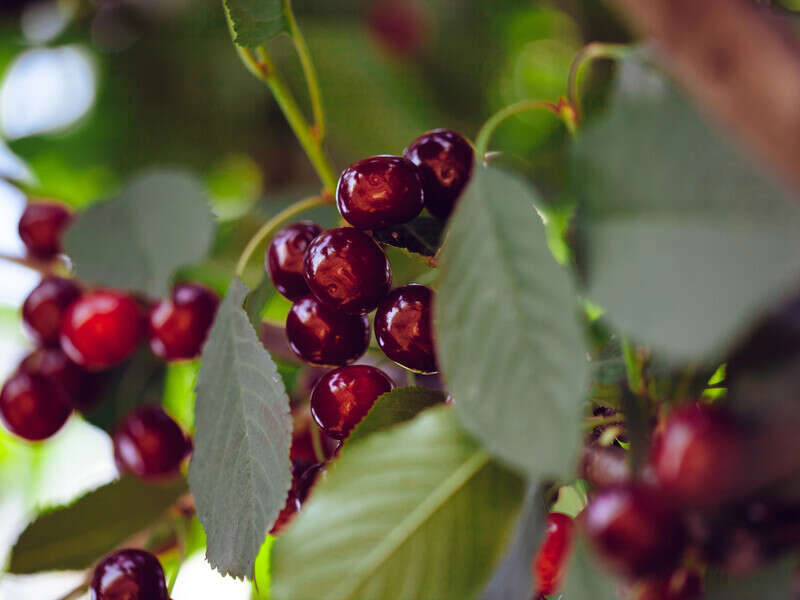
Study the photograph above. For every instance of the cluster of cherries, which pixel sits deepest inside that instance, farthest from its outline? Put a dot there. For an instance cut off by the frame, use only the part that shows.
(81, 334)
(335, 278)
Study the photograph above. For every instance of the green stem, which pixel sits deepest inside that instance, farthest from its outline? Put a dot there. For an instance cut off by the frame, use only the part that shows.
(632, 367)
(593, 422)
(310, 73)
(268, 228)
(485, 134)
(263, 69)
(589, 53)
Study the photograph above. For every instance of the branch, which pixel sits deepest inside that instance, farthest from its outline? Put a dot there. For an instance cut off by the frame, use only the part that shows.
(739, 63)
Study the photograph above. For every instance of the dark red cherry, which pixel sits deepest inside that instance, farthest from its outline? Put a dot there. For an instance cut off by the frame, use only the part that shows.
(343, 397)
(634, 529)
(45, 306)
(322, 336)
(129, 575)
(81, 387)
(404, 328)
(697, 456)
(179, 324)
(41, 228)
(445, 160)
(377, 192)
(302, 484)
(33, 407)
(346, 270)
(301, 452)
(399, 26)
(284, 258)
(149, 444)
(550, 561)
(102, 328)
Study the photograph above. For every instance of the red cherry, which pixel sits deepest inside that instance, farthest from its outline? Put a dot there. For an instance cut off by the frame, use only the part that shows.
(33, 407)
(400, 26)
(102, 329)
(45, 306)
(445, 159)
(81, 387)
(404, 328)
(301, 452)
(377, 192)
(301, 488)
(179, 325)
(346, 270)
(550, 561)
(322, 336)
(284, 258)
(129, 575)
(41, 228)
(149, 444)
(698, 455)
(343, 397)
(634, 529)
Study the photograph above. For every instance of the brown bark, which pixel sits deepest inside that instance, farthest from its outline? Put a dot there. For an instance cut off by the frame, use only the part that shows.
(739, 63)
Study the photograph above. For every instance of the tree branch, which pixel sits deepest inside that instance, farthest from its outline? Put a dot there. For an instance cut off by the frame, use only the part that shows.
(741, 65)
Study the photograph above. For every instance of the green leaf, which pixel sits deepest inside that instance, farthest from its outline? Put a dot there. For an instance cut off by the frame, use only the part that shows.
(421, 236)
(256, 300)
(74, 536)
(135, 383)
(685, 239)
(256, 21)
(158, 223)
(239, 473)
(509, 340)
(416, 511)
(398, 406)
(585, 579)
(776, 582)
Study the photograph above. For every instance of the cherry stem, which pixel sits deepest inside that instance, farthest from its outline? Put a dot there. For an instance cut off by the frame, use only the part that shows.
(43, 267)
(592, 422)
(589, 53)
(77, 592)
(316, 443)
(632, 367)
(260, 64)
(485, 134)
(271, 226)
(309, 72)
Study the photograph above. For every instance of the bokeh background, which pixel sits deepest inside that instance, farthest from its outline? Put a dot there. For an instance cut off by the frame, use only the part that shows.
(93, 92)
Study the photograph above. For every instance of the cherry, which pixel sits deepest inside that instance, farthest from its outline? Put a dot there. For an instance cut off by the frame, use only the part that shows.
(284, 258)
(101, 329)
(129, 574)
(445, 160)
(634, 529)
(550, 561)
(301, 487)
(45, 306)
(404, 328)
(81, 387)
(377, 192)
(33, 407)
(322, 336)
(179, 325)
(41, 227)
(301, 452)
(603, 465)
(343, 397)
(697, 455)
(149, 444)
(400, 26)
(346, 270)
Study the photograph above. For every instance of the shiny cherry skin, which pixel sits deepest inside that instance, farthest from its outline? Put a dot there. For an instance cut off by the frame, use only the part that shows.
(302, 484)
(380, 191)
(33, 407)
(284, 258)
(550, 561)
(343, 397)
(179, 325)
(404, 328)
(347, 270)
(322, 336)
(101, 329)
(81, 387)
(129, 574)
(634, 529)
(697, 456)
(149, 444)
(41, 228)
(45, 306)
(445, 159)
